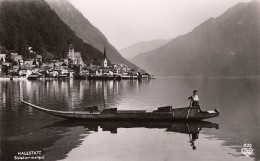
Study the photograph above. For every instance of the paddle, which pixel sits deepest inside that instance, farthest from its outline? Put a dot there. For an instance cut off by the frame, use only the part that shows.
(189, 110)
(190, 103)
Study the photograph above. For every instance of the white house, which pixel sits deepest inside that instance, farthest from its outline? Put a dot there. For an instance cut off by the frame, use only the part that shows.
(18, 59)
(2, 57)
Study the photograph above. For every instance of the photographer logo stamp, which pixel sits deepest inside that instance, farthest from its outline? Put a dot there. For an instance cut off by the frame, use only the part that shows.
(247, 149)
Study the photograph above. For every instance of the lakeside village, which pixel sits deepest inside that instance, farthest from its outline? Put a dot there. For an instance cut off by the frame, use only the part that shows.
(71, 67)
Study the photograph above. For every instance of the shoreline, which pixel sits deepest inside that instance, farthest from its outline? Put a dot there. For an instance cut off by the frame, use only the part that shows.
(189, 77)
(211, 77)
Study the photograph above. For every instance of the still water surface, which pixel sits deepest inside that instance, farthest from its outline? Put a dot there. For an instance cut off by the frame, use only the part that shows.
(24, 129)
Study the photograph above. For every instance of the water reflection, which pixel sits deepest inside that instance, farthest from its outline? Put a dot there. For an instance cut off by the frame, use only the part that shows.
(20, 128)
(112, 126)
(54, 143)
(72, 133)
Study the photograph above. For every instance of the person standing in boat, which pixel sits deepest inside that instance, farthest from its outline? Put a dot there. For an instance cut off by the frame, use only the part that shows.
(195, 100)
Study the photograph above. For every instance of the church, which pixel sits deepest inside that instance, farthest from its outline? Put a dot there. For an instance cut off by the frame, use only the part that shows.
(74, 56)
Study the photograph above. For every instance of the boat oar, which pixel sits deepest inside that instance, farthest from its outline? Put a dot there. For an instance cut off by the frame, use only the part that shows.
(188, 110)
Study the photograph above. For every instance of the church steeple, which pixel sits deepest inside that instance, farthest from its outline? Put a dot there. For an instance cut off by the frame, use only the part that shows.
(105, 58)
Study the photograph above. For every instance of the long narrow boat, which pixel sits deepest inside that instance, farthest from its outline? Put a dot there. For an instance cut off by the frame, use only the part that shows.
(162, 113)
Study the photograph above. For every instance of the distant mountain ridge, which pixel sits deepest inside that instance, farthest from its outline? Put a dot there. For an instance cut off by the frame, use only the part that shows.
(85, 30)
(32, 23)
(225, 46)
(140, 47)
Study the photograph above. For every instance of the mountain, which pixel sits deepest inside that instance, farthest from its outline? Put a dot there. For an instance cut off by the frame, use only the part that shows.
(32, 23)
(85, 30)
(141, 47)
(228, 45)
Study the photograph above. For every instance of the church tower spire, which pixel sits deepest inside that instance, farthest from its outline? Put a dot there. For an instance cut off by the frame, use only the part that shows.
(105, 58)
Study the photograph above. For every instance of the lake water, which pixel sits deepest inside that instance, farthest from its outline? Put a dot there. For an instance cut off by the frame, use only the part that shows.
(23, 129)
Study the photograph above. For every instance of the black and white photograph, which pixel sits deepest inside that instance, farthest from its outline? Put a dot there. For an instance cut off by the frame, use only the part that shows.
(129, 80)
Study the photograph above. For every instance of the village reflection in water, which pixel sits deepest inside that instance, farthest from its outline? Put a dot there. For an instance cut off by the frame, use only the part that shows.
(74, 95)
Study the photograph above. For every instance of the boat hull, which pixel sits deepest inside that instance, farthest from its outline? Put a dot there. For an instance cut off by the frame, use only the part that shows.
(176, 114)
(32, 77)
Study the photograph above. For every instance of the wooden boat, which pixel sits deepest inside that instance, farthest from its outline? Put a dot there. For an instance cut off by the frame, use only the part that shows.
(162, 113)
(33, 76)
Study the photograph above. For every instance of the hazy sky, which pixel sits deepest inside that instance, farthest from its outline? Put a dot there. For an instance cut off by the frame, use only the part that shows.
(125, 22)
